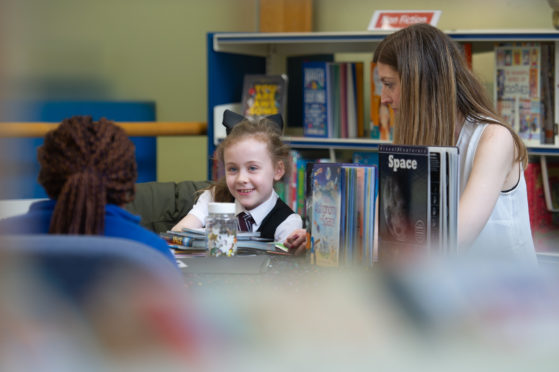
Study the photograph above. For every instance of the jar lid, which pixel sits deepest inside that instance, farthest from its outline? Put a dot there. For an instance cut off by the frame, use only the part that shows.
(221, 208)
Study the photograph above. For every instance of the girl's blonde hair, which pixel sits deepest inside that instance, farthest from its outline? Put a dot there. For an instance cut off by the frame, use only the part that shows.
(265, 131)
(437, 87)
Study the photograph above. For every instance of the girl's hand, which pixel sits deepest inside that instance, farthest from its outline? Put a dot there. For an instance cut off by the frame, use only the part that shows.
(296, 242)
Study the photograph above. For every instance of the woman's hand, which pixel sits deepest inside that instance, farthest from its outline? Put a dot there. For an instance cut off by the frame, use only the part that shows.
(296, 242)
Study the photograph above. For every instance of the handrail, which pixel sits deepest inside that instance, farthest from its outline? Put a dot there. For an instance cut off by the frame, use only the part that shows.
(133, 129)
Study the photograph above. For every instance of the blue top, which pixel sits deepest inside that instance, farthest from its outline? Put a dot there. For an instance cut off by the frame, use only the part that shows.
(118, 223)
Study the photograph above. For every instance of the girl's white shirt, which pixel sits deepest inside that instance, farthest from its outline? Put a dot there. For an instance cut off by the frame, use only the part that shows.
(290, 224)
(507, 233)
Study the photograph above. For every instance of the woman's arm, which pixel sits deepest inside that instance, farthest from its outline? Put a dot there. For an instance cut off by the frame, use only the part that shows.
(492, 171)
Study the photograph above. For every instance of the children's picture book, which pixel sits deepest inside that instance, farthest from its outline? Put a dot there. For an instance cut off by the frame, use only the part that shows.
(264, 95)
(418, 200)
(294, 65)
(518, 89)
(326, 207)
(343, 205)
(382, 116)
(315, 99)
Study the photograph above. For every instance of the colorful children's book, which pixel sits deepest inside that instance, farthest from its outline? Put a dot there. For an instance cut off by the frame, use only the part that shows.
(195, 242)
(326, 211)
(315, 99)
(343, 205)
(264, 95)
(518, 89)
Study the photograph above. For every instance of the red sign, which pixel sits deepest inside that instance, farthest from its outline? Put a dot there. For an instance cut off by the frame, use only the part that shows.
(397, 19)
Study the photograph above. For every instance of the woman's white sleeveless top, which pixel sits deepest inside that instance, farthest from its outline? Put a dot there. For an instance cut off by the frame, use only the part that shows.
(507, 233)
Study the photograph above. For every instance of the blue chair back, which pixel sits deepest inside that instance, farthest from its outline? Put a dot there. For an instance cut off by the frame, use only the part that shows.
(75, 263)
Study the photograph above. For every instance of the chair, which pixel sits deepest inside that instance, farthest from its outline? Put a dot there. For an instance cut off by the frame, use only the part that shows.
(120, 295)
(162, 204)
(75, 263)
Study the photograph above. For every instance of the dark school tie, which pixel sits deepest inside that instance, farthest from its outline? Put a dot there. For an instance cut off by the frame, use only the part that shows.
(245, 221)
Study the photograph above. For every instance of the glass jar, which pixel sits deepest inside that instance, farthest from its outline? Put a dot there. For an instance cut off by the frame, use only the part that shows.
(221, 229)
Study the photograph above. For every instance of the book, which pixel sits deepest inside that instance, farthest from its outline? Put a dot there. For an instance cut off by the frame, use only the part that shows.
(333, 99)
(295, 86)
(418, 201)
(540, 216)
(351, 101)
(263, 95)
(550, 176)
(193, 240)
(518, 92)
(467, 50)
(365, 157)
(360, 98)
(315, 99)
(201, 233)
(381, 124)
(342, 220)
(343, 130)
(334, 96)
(549, 85)
(326, 206)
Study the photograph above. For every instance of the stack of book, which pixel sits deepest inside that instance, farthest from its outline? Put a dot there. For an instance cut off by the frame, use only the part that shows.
(418, 201)
(192, 242)
(343, 214)
(333, 99)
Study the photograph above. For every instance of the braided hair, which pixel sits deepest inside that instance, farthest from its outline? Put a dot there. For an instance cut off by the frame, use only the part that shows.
(85, 165)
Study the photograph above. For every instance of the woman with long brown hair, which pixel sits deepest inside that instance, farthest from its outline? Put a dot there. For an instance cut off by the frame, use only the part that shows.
(439, 102)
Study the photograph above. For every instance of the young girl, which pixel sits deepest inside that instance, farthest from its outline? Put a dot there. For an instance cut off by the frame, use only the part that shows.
(254, 158)
(439, 102)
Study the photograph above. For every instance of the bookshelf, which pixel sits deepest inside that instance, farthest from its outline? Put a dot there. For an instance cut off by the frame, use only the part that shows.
(232, 55)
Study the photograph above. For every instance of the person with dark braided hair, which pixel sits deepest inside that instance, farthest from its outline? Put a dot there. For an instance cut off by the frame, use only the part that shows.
(88, 170)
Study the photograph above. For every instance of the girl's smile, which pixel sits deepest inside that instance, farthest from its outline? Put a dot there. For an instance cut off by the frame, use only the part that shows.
(250, 172)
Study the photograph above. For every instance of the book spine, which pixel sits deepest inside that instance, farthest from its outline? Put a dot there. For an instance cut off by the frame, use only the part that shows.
(435, 174)
(359, 97)
(343, 100)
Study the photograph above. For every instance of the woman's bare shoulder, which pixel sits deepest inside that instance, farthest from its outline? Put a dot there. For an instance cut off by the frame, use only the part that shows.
(497, 135)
